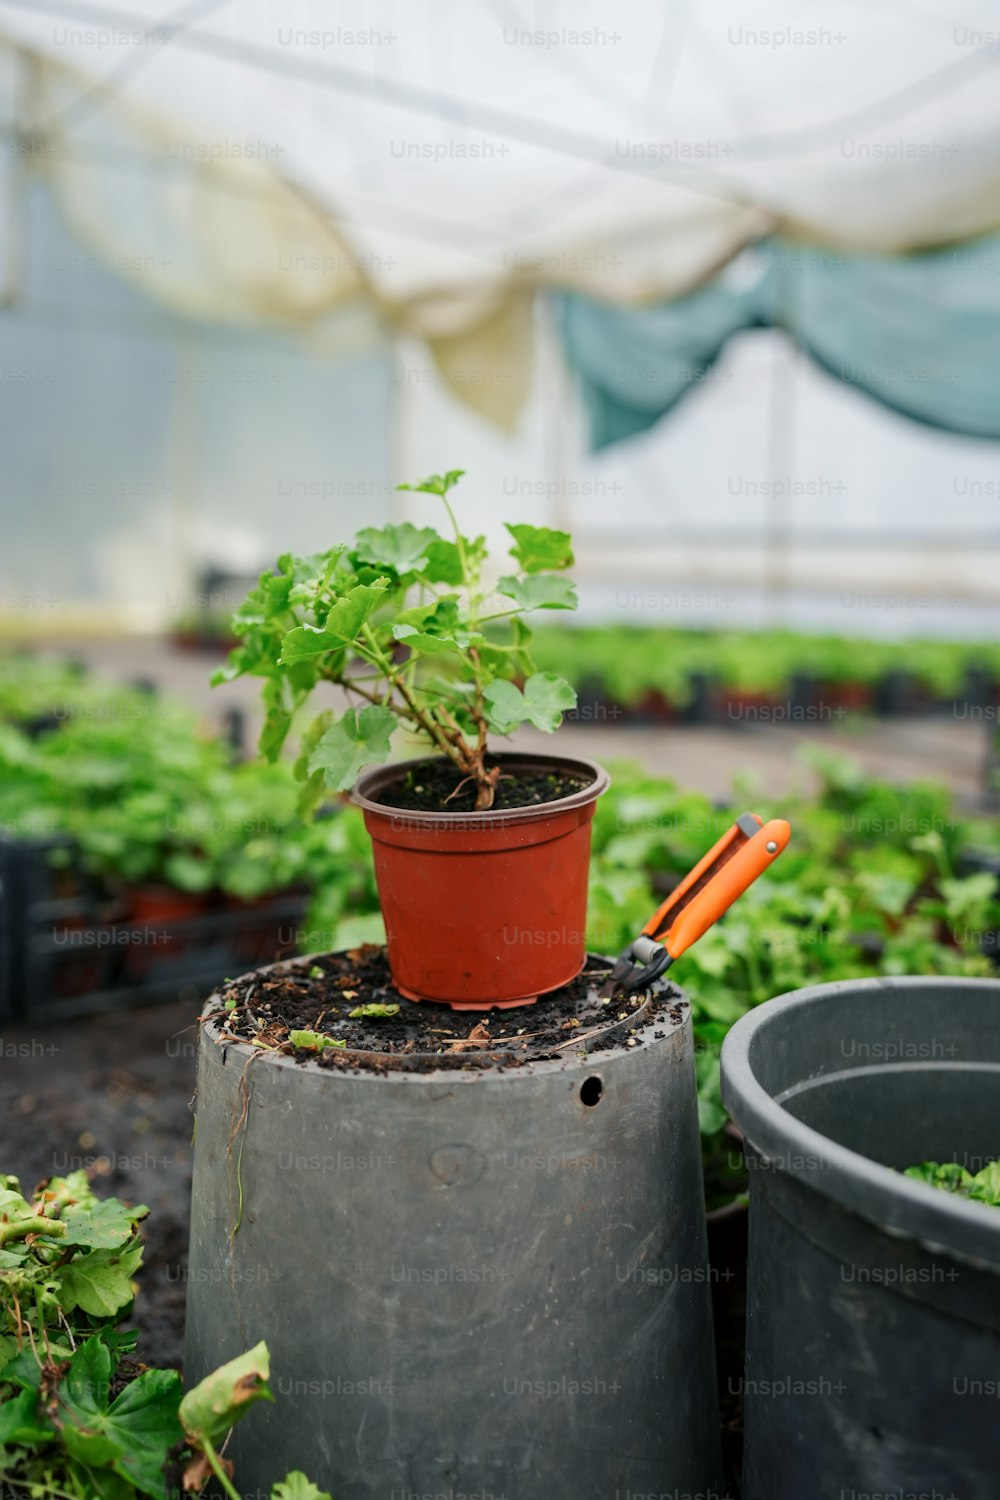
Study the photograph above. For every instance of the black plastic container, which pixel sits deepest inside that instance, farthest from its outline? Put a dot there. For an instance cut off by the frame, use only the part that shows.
(477, 1280)
(873, 1300)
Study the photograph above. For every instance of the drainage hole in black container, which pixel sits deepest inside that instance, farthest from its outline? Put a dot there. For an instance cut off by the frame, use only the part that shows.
(591, 1090)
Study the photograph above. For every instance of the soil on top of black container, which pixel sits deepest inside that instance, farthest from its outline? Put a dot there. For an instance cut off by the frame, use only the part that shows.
(437, 786)
(327, 996)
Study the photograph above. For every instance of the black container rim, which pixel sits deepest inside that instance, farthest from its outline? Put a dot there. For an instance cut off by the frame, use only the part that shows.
(644, 1025)
(598, 781)
(942, 1222)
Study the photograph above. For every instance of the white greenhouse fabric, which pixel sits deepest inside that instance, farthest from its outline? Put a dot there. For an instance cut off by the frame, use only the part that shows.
(259, 161)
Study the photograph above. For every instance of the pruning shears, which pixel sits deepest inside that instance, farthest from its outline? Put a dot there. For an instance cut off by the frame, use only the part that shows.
(744, 851)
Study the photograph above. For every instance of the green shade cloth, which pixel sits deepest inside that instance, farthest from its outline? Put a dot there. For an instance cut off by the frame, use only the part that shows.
(920, 333)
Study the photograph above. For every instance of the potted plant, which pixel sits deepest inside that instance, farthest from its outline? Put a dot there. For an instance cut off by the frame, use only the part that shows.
(474, 851)
(478, 1240)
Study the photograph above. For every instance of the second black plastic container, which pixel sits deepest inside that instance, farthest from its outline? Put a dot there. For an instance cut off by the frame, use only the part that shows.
(873, 1300)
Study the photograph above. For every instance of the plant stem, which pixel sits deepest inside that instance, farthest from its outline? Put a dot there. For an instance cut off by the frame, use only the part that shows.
(501, 614)
(472, 758)
(459, 539)
(430, 727)
(351, 686)
(217, 1469)
(37, 1224)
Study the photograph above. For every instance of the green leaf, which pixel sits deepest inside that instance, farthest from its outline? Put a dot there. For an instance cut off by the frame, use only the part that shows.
(546, 698)
(21, 1368)
(403, 548)
(373, 1011)
(8, 1346)
(890, 893)
(105, 1226)
(235, 666)
(134, 1433)
(144, 1419)
(274, 732)
(985, 1186)
(433, 645)
(315, 1041)
(949, 1175)
(340, 627)
(313, 784)
(444, 563)
(543, 702)
(435, 484)
(188, 872)
(296, 1486)
(358, 739)
(437, 617)
(423, 644)
(505, 707)
(711, 1116)
(964, 896)
(100, 1283)
(20, 1421)
(83, 1400)
(540, 591)
(539, 547)
(100, 1484)
(217, 1402)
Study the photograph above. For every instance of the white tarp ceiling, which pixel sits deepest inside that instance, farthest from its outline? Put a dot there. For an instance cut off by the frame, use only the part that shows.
(250, 160)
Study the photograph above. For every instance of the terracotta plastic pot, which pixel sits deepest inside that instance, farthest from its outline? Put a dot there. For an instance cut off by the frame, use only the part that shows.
(167, 910)
(484, 908)
(165, 903)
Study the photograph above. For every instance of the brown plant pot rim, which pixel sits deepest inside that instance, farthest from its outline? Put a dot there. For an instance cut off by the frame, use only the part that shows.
(381, 777)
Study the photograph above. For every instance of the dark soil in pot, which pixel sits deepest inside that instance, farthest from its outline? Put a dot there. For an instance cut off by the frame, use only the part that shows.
(323, 995)
(438, 786)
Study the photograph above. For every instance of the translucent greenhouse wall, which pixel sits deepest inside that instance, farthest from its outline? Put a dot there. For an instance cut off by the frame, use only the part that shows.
(773, 494)
(140, 449)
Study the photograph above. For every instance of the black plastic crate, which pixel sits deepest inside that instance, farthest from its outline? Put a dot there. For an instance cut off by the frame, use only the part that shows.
(68, 949)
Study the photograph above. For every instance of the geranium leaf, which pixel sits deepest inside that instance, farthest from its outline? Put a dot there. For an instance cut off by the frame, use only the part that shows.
(403, 548)
(540, 591)
(100, 1283)
(341, 625)
(539, 547)
(315, 1041)
(104, 1226)
(546, 698)
(209, 1410)
(296, 1486)
(359, 738)
(505, 708)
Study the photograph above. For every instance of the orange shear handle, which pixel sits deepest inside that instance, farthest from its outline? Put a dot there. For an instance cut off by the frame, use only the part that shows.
(720, 853)
(736, 874)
